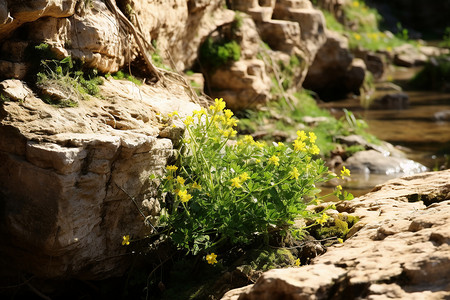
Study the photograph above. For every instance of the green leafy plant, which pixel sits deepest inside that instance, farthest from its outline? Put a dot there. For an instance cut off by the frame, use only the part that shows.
(446, 38)
(226, 194)
(123, 75)
(220, 52)
(64, 75)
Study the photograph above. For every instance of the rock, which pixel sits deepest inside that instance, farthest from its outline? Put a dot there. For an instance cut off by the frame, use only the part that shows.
(399, 249)
(372, 161)
(398, 100)
(244, 84)
(407, 56)
(334, 72)
(68, 174)
(312, 23)
(15, 90)
(258, 10)
(281, 35)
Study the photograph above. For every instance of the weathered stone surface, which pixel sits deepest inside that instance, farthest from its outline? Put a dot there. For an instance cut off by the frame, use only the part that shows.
(398, 250)
(312, 23)
(258, 10)
(334, 72)
(68, 174)
(244, 84)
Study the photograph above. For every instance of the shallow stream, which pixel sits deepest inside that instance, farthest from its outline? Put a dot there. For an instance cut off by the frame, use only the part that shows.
(421, 130)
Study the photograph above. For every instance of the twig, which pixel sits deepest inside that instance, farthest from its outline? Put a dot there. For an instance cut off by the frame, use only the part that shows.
(128, 24)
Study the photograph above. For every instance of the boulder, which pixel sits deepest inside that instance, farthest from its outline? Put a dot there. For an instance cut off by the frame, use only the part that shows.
(334, 72)
(399, 249)
(74, 180)
(375, 162)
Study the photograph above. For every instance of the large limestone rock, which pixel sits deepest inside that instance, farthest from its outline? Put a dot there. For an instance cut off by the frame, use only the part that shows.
(74, 180)
(398, 250)
(334, 72)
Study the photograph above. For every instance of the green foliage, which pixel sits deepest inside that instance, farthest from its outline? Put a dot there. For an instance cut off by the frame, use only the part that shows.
(361, 27)
(219, 53)
(123, 75)
(434, 76)
(238, 22)
(232, 195)
(65, 75)
(446, 38)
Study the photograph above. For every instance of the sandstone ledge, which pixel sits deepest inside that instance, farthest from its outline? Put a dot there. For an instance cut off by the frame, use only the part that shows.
(400, 249)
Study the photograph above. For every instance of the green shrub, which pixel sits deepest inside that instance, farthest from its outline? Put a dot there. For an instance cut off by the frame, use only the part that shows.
(65, 75)
(225, 195)
(219, 53)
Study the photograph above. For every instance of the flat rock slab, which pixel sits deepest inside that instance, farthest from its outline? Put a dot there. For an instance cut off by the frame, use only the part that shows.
(400, 249)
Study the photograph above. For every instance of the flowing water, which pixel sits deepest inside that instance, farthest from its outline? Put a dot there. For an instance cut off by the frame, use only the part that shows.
(422, 130)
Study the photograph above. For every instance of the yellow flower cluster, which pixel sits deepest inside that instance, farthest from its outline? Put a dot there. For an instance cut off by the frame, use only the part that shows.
(345, 172)
(184, 196)
(301, 145)
(294, 174)
(237, 181)
(126, 240)
(211, 258)
(323, 219)
(275, 160)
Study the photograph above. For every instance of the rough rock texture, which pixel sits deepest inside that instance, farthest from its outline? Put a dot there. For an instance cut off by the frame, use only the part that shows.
(334, 72)
(87, 30)
(67, 175)
(400, 249)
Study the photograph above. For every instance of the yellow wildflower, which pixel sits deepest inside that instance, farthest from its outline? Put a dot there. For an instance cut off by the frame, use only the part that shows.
(172, 168)
(299, 145)
(200, 112)
(228, 133)
(232, 122)
(259, 144)
(345, 172)
(297, 262)
(219, 106)
(244, 176)
(126, 240)
(314, 149)
(197, 186)
(211, 258)
(189, 120)
(174, 113)
(312, 137)
(228, 113)
(180, 180)
(323, 219)
(274, 160)
(184, 196)
(355, 4)
(236, 182)
(257, 160)
(357, 36)
(170, 177)
(339, 187)
(301, 135)
(294, 173)
(340, 240)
